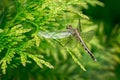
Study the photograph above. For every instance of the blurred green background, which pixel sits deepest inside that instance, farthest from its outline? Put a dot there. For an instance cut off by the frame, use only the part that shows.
(24, 55)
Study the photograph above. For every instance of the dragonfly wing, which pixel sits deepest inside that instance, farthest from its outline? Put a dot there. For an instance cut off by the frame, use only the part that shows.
(54, 35)
(87, 36)
(79, 25)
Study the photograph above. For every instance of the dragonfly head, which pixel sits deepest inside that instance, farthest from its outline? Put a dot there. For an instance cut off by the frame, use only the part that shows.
(69, 27)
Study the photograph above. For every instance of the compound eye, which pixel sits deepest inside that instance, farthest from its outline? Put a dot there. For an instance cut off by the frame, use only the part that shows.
(69, 27)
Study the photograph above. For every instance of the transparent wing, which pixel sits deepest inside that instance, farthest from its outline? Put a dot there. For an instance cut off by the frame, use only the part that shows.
(79, 25)
(87, 36)
(55, 35)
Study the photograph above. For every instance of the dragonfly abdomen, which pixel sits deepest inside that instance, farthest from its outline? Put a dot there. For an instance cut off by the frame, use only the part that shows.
(84, 45)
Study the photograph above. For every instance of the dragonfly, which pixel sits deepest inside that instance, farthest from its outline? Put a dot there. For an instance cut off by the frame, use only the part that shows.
(69, 32)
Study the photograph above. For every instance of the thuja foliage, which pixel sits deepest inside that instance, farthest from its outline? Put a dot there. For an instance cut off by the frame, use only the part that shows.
(20, 22)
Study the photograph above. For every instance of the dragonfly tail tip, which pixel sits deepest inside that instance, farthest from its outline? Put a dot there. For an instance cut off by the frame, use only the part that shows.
(95, 60)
